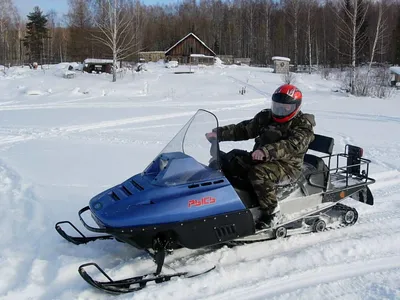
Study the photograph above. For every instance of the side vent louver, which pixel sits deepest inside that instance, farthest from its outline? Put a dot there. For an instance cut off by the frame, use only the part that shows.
(196, 185)
(115, 196)
(225, 232)
(126, 191)
(137, 185)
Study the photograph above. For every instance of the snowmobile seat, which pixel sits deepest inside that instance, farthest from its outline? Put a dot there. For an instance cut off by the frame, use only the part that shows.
(320, 176)
(315, 170)
(322, 144)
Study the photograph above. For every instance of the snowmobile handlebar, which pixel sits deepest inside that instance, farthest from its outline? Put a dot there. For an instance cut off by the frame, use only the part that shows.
(243, 153)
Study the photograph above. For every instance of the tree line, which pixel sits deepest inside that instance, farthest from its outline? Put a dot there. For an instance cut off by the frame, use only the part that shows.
(333, 33)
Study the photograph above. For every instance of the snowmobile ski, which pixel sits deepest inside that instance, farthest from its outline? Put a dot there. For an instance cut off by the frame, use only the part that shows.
(131, 284)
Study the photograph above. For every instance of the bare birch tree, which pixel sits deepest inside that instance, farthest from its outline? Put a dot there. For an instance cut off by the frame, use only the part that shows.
(114, 24)
(379, 34)
(250, 11)
(310, 7)
(5, 10)
(138, 23)
(351, 23)
(380, 31)
(294, 14)
(51, 16)
(19, 33)
(267, 20)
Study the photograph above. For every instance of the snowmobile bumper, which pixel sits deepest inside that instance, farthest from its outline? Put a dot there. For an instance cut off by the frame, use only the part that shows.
(88, 227)
(78, 240)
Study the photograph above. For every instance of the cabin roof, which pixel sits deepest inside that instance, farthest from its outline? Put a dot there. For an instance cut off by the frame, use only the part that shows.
(280, 58)
(98, 61)
(190, 34)
(395, 70)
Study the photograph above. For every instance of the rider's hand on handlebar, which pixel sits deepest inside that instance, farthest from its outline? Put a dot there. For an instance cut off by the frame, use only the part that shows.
(211, 135)
(258, 155)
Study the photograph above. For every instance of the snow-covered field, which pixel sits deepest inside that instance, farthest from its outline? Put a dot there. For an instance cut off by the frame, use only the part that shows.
(64, 140)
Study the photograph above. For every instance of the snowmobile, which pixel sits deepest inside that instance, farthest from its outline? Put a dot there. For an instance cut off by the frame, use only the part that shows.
(185, 199)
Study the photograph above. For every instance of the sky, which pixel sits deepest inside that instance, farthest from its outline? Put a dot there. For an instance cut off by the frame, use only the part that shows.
(26, 6)
(61, 6)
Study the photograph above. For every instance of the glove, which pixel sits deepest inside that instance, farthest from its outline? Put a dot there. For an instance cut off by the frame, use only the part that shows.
(259, 155)
(211, 135)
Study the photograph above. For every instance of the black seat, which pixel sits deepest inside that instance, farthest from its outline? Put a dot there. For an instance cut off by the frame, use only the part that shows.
(315, 170)
(322, 144)
(319, 177)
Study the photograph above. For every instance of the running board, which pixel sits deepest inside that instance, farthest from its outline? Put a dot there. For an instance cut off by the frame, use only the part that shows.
(313, 221)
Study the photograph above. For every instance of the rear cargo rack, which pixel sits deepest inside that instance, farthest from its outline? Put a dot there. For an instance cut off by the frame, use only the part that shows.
(341, 176)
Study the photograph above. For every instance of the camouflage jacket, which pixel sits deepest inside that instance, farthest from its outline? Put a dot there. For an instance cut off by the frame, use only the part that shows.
(283, 143)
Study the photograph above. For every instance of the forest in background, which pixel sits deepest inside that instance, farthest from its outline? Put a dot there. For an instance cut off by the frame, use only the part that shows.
(307, 31)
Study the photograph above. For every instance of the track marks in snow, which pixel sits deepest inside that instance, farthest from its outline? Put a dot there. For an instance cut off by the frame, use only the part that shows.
(250, 86)
(284, 269)
(387, 184)
(120, 122)
(355, 116)
(15, 135)
(77, 104)
(264, 289)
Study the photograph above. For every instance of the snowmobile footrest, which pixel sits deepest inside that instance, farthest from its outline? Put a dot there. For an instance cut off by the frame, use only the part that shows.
(129, 285)
(82, 239)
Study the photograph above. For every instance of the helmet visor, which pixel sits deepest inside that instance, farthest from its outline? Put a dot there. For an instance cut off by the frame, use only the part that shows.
(282, 109)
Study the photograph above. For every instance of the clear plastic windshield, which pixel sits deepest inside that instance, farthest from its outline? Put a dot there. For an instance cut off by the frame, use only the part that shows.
(189, 157)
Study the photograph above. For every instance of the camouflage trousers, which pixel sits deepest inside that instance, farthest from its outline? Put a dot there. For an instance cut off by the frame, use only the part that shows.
(262, 176)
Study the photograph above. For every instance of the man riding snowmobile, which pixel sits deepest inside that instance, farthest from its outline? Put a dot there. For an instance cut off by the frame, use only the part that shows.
(282, 136)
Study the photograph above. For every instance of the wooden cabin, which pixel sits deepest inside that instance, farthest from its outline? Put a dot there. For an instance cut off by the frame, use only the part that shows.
(190, 46)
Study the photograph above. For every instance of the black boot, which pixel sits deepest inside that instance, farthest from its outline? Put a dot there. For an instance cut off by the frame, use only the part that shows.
(269, 218)
(264, 221)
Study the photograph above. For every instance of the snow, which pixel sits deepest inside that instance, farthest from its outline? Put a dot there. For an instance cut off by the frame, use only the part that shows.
(98, 61)
(280, 58)
(64, 141)
(201, 55)
(172, 64)
(395, 70)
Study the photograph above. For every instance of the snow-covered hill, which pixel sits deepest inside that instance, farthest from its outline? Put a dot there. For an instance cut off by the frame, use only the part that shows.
(64, 140)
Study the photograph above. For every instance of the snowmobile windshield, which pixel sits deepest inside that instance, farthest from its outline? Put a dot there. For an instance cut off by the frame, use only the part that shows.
(189, 157)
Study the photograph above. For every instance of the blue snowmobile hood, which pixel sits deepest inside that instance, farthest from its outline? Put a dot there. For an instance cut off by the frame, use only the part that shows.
(175, 188)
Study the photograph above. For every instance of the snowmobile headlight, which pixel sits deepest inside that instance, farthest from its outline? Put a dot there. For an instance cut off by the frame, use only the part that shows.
(163, 164)
(98, 206)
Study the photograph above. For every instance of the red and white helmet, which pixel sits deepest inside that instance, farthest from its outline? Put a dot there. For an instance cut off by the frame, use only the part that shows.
(286, 103)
